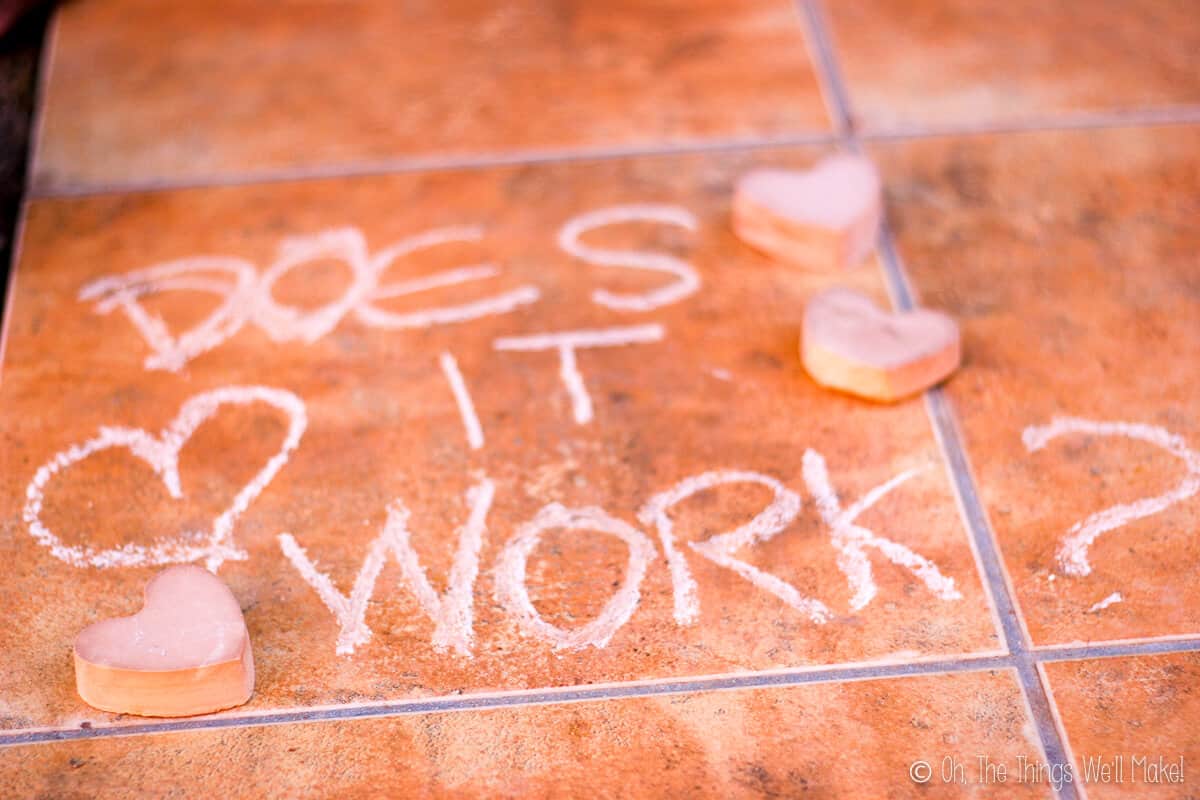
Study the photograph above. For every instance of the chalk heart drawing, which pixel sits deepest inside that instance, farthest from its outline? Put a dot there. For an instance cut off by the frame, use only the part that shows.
(161, 452)
(1073, 551)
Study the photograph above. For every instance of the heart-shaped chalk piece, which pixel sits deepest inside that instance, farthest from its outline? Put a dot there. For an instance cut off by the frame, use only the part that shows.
(852, 345)
(825, 218)
(186, 652)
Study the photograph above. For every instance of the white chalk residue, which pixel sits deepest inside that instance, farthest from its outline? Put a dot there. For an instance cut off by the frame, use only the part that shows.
(350, 612)
(450, 277)
(687, 281)
(567, 342)
(851, 540)
(248, 297)
(1112, 599)
(1073, 552)
(162, 454)
(451, 612)
(502, 303)
(237, 285)
(720, 548)
(512, 593)
(466, 409)
(285, 323)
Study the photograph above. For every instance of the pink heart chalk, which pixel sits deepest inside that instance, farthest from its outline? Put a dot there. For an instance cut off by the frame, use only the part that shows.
(186, 652)
(824, 219)
(852, 345)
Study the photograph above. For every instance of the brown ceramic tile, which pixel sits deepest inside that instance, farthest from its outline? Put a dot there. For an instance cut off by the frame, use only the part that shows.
(823, 741)
(205, 91)
(1070, 259)
(971, 62)
(722, 390)
(1132, 724)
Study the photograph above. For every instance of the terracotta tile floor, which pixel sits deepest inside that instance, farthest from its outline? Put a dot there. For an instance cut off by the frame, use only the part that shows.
(239, 88)
(969, 63)
(1132, 722)
(722, 390)
(1093, 269)
(780, 742)
(323, 258)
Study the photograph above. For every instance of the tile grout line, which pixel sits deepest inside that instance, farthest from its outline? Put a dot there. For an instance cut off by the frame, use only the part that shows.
(832, 673)
(826, 70)
(953, 450)
(1116, 650)
(1153, 116)
(941, 418)
(1067, 121)
(999, 618)
(632, 689)
(433, 163)
(571, 155)
(1044, 677)
(945, 428)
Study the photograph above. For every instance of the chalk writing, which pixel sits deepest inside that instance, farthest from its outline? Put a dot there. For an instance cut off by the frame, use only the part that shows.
(1112, 599)
(250, 298)
(371, 314)
(851, 540)
(687, 281)
(350, 612)
(1073, 551)
(567, 342)
(510, 576)
(451, 612)
(720, 548)
(284, 323)
(466, 409)
(236, 282)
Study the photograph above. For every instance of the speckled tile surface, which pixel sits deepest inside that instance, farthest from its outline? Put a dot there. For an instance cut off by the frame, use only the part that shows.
(1132, 723)
(971, 63)
(718, 389)
(826, 740)
(140, 92)
(441, 301)
(1080, 301)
